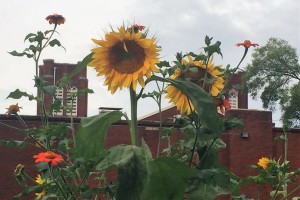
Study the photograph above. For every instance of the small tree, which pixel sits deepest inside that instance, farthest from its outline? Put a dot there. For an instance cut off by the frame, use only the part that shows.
(275, 71)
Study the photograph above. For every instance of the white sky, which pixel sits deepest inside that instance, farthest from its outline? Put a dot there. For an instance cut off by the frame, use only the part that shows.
(178, 25)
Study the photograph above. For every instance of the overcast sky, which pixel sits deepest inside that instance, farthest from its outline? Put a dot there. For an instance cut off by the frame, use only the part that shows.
(178, 26)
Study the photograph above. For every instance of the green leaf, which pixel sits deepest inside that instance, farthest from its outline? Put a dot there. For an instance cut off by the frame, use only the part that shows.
(132, 169)
(208, 152)
(84, 91)
(167, 179)
(211, 183)
(92, 131)
(215, 48)
(163, 64)
(13, 143)
(48, 31)
(207, 40)
(39, 37)
(54, 42)
(33, 48)
(121, 154)
(77, 69)
(29, 36)
(201, 100)
(50, 89)
(17, 94)
(15, 53)
(56, 105)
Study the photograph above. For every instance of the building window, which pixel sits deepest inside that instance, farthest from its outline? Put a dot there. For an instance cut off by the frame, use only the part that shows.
(72, 101)
(59, 94)
(233, 99)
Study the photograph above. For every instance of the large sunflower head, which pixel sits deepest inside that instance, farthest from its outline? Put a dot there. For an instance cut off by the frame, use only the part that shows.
(214, 77)
(215, 85)
(124, 57)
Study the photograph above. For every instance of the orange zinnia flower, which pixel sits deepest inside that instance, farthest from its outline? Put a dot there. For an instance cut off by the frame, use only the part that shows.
(223, 104)
(136, 28)
(53, 158)
(55, 19)
(263, 162)
(247, 44)
(13, 109)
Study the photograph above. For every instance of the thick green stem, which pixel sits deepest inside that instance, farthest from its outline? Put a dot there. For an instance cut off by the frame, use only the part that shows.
(158, 100)
(133, 121)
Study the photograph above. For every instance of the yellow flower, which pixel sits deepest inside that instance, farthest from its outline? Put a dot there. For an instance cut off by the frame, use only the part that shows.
(212, 71)
(183, 104)
(124, 57)
(40, 181)
(40, 194)
(263, 162)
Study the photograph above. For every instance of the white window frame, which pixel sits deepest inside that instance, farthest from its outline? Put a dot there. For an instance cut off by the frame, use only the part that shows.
(72, 89)
(233, 98)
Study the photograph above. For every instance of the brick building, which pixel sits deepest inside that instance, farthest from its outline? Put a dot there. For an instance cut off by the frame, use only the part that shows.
(244, 147)
(52, 72)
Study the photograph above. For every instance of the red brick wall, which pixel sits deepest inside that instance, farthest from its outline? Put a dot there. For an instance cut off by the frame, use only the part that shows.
(240, 153)
(237, 156)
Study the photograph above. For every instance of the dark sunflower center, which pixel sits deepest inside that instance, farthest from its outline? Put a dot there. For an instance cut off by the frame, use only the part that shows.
(126, 57)
(198, 77)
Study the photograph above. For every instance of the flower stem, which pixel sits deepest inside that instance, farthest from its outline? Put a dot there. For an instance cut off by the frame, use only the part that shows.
(28, 134)
(133, 121)
(237, 67)
(56, 182)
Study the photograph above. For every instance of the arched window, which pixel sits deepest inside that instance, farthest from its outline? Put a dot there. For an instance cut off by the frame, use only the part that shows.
(59, 94)
(72, 101)
(233, 98)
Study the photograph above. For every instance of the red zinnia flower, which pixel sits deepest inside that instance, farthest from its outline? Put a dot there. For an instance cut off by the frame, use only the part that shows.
(55, 19)
(49, 157)
(247, 44)
(136, 28)
(222, 103)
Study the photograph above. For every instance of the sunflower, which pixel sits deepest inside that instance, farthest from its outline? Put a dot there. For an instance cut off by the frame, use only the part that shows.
(213, 73)
(124, 57)
(183, 104)
(263, 162)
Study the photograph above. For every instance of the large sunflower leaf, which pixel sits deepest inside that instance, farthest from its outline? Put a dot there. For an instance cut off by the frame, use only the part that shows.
(211, 183)
(167, 179)
(92, 131)
(201, 100)
(131, 162)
